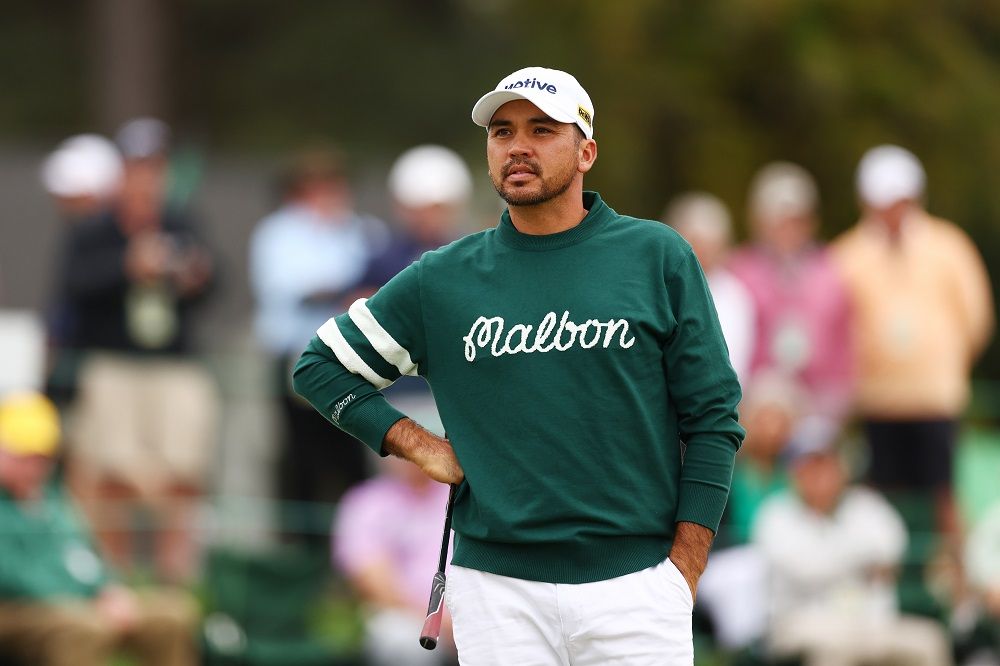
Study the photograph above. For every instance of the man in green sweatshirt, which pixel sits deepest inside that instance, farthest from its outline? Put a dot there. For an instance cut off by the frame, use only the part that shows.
(578, 365)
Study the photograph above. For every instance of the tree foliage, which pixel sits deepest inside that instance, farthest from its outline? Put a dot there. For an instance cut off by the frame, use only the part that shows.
(688, 94)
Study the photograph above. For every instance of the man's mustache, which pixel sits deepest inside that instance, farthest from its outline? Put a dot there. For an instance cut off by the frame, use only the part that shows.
(531, 165)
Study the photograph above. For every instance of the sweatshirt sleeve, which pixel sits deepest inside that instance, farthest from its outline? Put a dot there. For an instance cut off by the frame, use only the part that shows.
(705, 391)
(354, 356)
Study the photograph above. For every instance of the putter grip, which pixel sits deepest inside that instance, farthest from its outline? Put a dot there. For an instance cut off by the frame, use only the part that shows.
(435, 609)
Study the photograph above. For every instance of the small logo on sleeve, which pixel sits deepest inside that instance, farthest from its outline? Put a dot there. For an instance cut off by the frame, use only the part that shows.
(339, 407)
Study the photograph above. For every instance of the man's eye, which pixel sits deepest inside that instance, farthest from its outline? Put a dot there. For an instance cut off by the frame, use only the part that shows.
(502, 131)
(542, 130)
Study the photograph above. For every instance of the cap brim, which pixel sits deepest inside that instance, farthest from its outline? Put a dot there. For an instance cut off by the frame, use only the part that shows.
(482, 112)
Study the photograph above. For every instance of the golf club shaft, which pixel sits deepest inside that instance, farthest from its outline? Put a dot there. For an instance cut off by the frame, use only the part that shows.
(435, 606)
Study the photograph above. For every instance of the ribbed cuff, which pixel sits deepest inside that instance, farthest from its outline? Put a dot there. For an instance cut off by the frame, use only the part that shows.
(370, 419)
(702, 504)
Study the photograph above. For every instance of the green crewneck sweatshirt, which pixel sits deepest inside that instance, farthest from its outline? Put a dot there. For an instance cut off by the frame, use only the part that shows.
(582, 378)
(45, 551)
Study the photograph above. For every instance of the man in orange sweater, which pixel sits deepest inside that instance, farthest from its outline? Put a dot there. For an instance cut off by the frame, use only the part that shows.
(923, 313)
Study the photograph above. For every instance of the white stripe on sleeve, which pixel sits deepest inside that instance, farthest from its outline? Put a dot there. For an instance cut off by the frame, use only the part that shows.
(330, 334)
(380, 339)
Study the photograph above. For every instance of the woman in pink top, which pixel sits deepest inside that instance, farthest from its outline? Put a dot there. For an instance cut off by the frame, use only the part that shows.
(802, 309)
(386, 540)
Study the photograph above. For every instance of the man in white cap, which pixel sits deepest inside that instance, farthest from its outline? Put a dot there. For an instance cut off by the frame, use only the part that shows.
(571, 351)
(83, 175)
(923, 313)
(430, 188)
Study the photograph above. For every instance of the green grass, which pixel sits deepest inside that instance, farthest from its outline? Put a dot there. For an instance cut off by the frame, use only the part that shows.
(977, 469)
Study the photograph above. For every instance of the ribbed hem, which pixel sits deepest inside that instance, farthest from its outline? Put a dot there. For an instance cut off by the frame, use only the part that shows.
(701, 503)
(598, 212)
(585, 560)
(370, 419)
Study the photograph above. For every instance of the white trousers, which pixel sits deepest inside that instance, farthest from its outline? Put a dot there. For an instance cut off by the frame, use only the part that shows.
(642, 619)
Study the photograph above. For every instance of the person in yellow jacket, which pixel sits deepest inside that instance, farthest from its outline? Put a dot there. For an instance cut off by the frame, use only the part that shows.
(923, 313)
(59, 605)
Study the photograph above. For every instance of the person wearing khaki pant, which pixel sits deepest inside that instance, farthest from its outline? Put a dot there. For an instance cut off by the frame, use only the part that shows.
(157, 629)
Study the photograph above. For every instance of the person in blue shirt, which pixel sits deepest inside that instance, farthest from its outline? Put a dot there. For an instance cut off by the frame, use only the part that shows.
(307, 259)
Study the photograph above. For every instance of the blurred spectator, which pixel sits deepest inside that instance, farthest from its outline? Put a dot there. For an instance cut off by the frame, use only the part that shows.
(148, 139)
(732, 590)
(704, 222)
(430, 188)
(770, 413)
(831, 550)
(146, 410)
(386, 541)
(22, 350)
(58, 606)
(83, 175)
(307, 261)
(982, 565)
(801, 305)
(923, 313)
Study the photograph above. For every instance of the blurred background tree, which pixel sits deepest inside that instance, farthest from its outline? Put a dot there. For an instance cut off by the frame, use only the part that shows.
(688, 94)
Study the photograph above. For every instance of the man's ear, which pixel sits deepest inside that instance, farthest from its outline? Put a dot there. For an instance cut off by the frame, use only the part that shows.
(588, 155)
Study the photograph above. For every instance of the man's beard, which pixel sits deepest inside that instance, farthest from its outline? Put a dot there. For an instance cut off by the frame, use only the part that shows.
(515, 197)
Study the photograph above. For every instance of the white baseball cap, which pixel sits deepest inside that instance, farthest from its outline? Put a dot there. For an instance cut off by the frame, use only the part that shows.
(83, 165)
(887, 174)
(782, 189)
(558, 94)
(813, 435)
(428, 175)
(699, 213)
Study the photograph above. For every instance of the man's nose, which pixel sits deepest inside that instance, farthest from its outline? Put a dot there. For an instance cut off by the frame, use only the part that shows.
(519, 147)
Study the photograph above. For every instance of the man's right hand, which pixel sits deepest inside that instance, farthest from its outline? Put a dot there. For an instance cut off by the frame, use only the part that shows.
(432, 454)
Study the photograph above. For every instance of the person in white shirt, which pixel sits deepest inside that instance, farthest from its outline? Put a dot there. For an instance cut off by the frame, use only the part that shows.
(831, 551)
(982, 568)
(704, 222)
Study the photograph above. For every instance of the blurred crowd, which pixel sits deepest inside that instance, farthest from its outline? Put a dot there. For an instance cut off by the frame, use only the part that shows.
(855, 359)
(843, 541)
